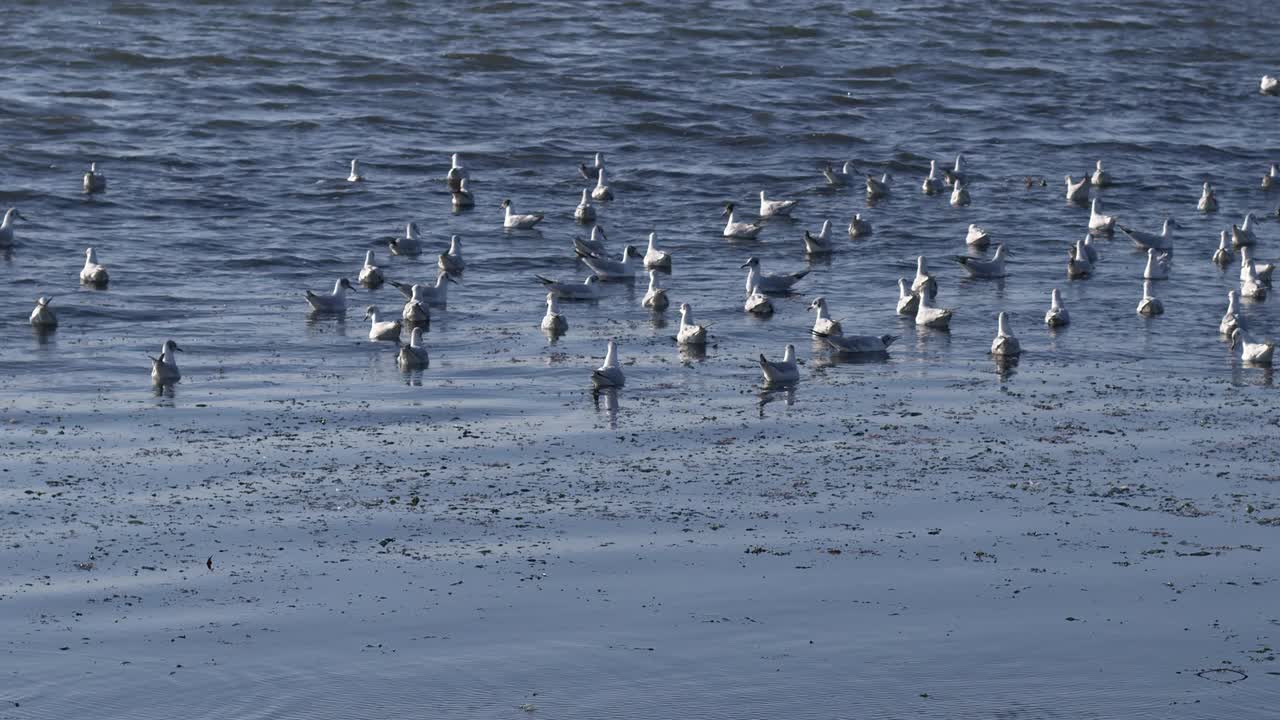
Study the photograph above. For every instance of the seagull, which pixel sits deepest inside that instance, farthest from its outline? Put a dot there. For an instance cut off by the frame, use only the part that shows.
(594, 246)
(1090, 251)
(776, 208)
(924, 282)
(335, 302)
(690, 334)
(591, 172)
(463, 198)
(929, 316)
(609, 375)
(1263, 271)
(949, 177)
(823, 325)
(859, 344)
(1100, 177)
(908, 302)
(1222, 255)
(1004, 344)
(588, 289)
(1242, 235)
(164, 369)
(1098, 222)
(959, 194)
(434, 295)
(1078, 192)
(1145, 240)
(381, 329)
(819, 244)
(518, 222)
(607, 269)
(1157, 266)
(601, 191)
(838, 179)
(94, 181)
(451, 261)
(1270, 85)
(414, 355)
(877, 188)
(932, 184)
(1078, 265)
(1057, 315)
(859, 227)
(1252, 351)
(1269, 180)
(757, 303)
(1150, 304)
(1251, 286)
(370, 275)
(1231, 319)
(978, 268)
(6, 226)
(553, 321)
(655, 258)
(655, 298)
(416, 310)
(43, 316)
(92, 273)
(1208, 203)
(778, 284)
(355, 175)
(977, 237)
(408, 245)
(457, 173)
(584, 213)
(781, 371)
(741, 230)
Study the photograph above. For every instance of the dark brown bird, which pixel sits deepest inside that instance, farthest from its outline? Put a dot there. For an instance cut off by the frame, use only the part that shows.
(209, 563)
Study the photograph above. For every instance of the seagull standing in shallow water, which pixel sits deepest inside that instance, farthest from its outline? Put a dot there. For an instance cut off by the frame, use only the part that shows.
(610, 373)
(1004, 344)
(164, 369)
(1252, 351)
(414, 355)
(655, 298)
(1149, 304)
(690, 333)
(553, 321)
(781, 371)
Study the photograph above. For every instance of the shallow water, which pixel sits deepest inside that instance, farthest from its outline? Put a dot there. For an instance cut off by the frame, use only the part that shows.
(225, 134)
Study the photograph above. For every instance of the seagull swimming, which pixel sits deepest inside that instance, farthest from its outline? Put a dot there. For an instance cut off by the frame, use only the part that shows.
(1089, 250)
(355, 175)
(456, 174)
(1222, 255)
(819, 244)
(335, 302)
(609, 375)
(741, 230)
(1243, 234)
(959, 194)
(979, 268)
(949, 177)
(594, 246)
(591, 172)
(1263, 271)
(607, 269)
(859, 344)
(778, 372)
(1252, 351)
(977, 237)
(778, 208)
(164, 369)
(1004, 344)
(370, 275)
(1056, 315)
(757, 303)
(690, 333)
(380, 329)
(416, 310)
(451, 261)
(1157, 266)
(92, 273)
(553, 321)
(823, 325)
(1251, 286)
(1098, 222)
(588, 289)
(655, 258)
(934, 317)
(1078, 265)
(584, 213)
(434, 295)
(859, 227)
(1270, 85)
(601, 191)
(1149, 304)
(414, 355)
(1145, 240)
(94, 181)
(908, 301)
(1078, 192)
(43, 316)
(408, 245)
(1100, 177)
(877, 188)
(6, 226)
(518, 222)
(1231, 319)
(924, 282)
(838, 179)
(1269, 180)
(655, 298)
(932, 184)
(462, 198)
(778, 284)
(1208, 203)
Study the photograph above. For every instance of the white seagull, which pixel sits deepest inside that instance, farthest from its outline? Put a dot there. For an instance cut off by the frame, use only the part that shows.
(1078, 192)
(594, 246)
(1057, 315)
(94, 181)
(860, 344)
(932, 184)
(451, 261)
(690, 333)
(601, 191)
(1098, 222)
(877, 188)
(924, 282)
(1149, 304)
(1078, 265)
(1263, 271)
(591, 172)
(584, 213)
(979, 268)
(1251, 286)
(607, 269)
(92, 273)
(977, 237)
(823, 324)
(777, 284)
(1145, 240)
(370, 274)
(1252, 351)
(42, 316)
(513, 221)
(819, 244)
(588, 289)
(1231, 319)
(609, 375)
(1243, 233)
(1269, 180)
(457, 173)
(409, 245)
(859, 227)
(1100, 177)
(414, 355)
(934, 317)
(6, 226)
(164, 369)
(838, 179)
(416, 310)
(1089, 250)
(908, 301)
(1208, 203)
(779, 372)
(462, 197)
(1157, 267)
(949, 177)
(434, 295)
(380, 329)
(1004, 344)
(740, 230)
(655, 298)
(757, 303)
(1270, 85)
(959, 194)
(335, 302)
(554, 321)
(778, 208)
(655, 258)
(1222, 255)
(355, 175)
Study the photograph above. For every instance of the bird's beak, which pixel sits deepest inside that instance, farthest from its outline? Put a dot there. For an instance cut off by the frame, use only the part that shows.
(175, 347)
(744, 265)
(449, 277)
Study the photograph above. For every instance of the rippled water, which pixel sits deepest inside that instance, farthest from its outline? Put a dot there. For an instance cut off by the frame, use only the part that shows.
(225, 133)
